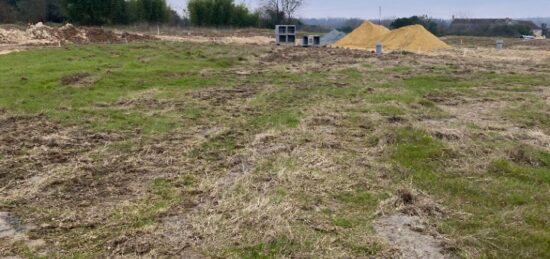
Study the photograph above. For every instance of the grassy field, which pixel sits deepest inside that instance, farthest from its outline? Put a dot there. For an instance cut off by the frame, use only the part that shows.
(211, 150)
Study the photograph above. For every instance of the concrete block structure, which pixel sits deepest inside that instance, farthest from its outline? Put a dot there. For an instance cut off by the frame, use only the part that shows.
(311, 41)
(285, 34)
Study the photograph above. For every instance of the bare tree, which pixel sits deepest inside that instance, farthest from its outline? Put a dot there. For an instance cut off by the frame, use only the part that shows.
(281, 10)
(290, 7)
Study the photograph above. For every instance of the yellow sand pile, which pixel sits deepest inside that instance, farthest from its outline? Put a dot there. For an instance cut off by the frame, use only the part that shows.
(364, 37)
(413, 38)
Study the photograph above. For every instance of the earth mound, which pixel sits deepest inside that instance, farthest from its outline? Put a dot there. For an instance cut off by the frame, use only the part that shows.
(40, 34)
(364, 37)
(414, 38)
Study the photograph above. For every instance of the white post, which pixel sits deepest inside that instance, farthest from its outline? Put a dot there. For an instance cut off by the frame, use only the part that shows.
(379, 49)
(500, 44)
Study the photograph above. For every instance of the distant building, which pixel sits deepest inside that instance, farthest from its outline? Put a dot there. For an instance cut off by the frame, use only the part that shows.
(493, 27)
(538, 33)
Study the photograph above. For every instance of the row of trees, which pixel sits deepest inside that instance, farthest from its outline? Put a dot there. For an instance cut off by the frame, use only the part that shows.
(87, 12)
(442, 27)
(31, 11)
(227, 13)
(221, 13)
(428, 23)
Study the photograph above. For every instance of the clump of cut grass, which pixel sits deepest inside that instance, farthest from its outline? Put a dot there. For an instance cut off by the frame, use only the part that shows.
(358, 199)
(342, 222)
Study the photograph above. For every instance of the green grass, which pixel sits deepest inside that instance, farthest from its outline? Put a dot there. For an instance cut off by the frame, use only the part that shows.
(508, 201)
(517, 79)
(358, 199)
(119, 76)
(342, 222)
(424, 84)
(416, 149)
(383, 97)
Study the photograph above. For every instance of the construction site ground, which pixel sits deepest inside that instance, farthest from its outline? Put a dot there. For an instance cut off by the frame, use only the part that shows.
(224, 148)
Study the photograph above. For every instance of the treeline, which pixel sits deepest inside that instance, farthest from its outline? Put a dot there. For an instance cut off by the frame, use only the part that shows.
(496, 29)
(221, 13)
(435, 26)
(445, 27)
(440, 27)
(88, 12)
(225, 13)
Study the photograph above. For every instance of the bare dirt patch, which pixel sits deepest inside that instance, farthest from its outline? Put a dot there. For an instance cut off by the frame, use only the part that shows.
(8, 225)
(31, 145)
(407, 234)
(13, 230)
(407, 227)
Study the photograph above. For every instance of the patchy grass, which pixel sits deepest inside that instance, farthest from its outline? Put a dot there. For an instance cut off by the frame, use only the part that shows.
(219, 146)
(252, 158)
(133, 69)
(497, 198)
(531, 115)
(160, 197)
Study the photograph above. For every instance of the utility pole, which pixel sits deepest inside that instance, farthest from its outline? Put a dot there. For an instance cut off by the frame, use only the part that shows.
(380, 15)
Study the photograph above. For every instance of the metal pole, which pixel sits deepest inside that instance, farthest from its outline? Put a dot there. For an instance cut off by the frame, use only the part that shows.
(380, 15)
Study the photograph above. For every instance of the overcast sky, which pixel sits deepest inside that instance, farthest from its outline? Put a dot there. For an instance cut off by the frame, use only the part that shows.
(398, 8)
